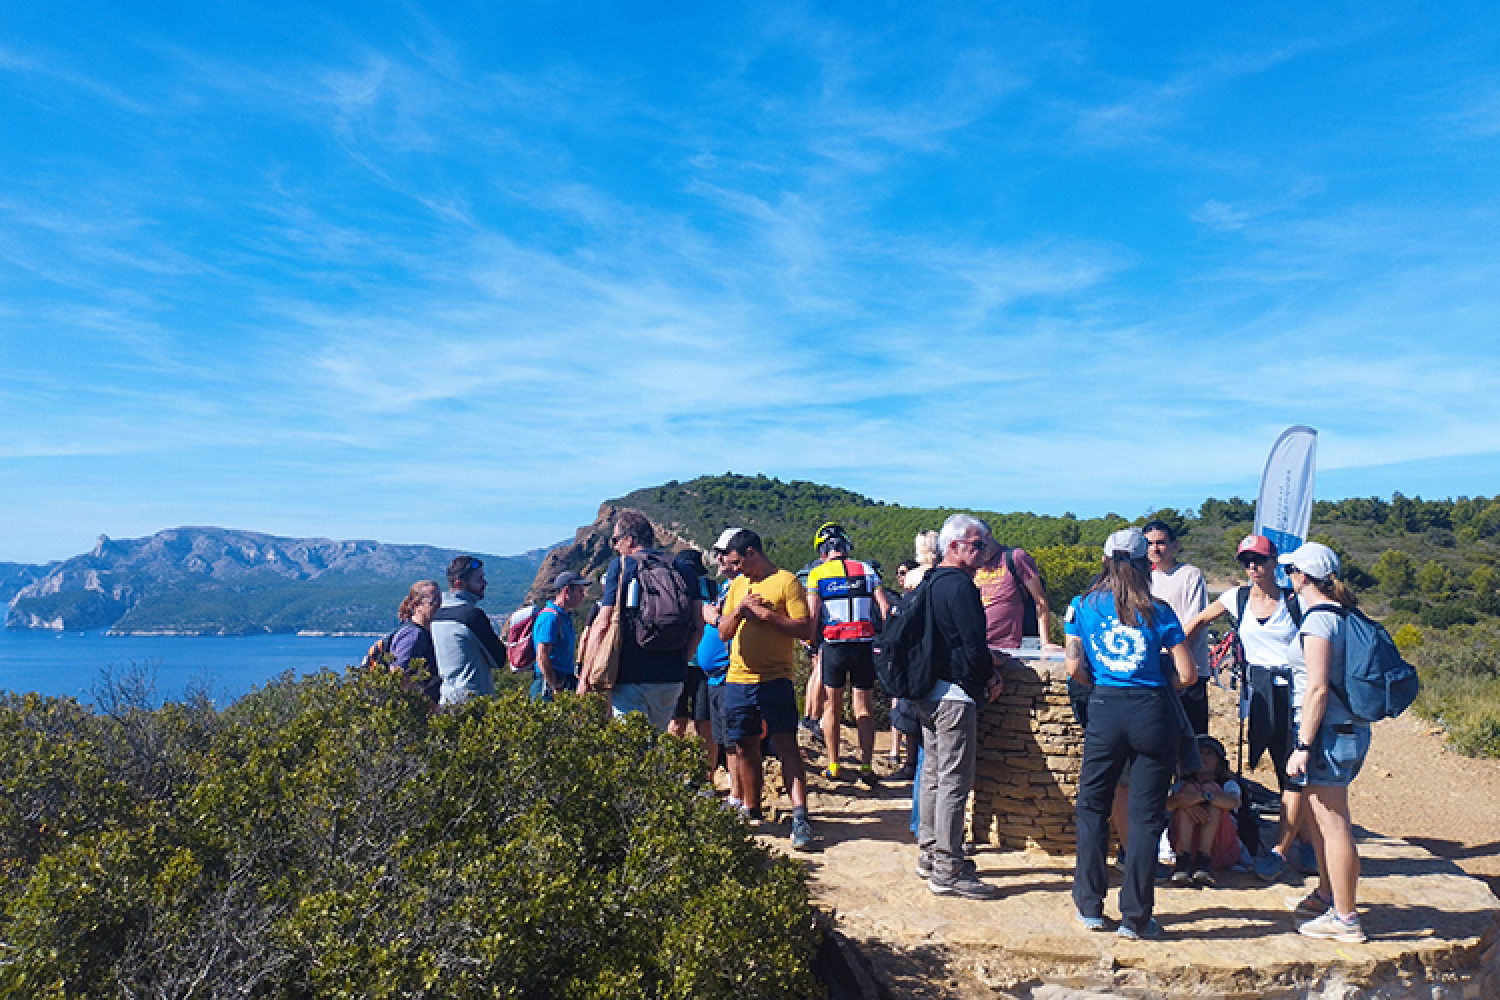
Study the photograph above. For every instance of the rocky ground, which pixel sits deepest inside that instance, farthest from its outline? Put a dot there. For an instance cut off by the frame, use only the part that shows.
(1429, 838)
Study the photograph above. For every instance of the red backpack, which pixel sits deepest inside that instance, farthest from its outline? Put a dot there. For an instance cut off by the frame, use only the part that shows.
(519, 649)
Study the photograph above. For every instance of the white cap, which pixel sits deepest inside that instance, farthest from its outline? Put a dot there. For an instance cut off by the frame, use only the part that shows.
(1313, 558)
(722, 545)
(1128, 541)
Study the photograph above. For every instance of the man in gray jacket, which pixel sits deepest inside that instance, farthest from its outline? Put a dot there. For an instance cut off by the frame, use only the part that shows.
(468, 650)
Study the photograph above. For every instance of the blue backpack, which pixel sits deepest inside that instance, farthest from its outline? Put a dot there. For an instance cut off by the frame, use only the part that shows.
(1377, 683)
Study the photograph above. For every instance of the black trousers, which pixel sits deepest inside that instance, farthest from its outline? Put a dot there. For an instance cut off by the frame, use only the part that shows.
(1124, 722)
(1195, 703)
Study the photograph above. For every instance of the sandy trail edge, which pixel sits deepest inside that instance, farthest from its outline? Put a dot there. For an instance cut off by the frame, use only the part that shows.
(1428, 820)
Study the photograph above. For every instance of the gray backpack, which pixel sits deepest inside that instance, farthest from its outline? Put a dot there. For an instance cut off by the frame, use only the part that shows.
(663, 619)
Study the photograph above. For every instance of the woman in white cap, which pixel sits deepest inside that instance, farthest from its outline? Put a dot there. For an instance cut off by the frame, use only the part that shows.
(1115, 632)
(1331, 742)
(1267, 618)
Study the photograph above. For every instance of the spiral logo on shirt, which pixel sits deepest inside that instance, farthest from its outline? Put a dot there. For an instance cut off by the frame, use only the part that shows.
(1120, 648)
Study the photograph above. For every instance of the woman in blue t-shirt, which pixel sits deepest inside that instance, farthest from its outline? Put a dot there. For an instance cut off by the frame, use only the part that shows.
(1115, 631)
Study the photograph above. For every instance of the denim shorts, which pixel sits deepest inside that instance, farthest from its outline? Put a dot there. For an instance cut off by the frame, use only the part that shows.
(1337, 754)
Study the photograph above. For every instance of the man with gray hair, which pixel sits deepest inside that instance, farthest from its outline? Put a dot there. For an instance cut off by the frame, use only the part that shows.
(949, 713)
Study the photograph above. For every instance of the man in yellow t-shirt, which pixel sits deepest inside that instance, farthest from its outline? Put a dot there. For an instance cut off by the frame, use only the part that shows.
(765, 614)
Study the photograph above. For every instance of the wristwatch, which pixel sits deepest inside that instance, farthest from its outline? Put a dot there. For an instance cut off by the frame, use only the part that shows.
(1303, 746)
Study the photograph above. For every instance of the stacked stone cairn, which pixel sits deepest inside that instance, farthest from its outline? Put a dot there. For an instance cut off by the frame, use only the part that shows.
(1030, 753)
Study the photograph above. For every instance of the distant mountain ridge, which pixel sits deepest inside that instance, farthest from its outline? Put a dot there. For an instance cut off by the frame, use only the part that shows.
(207, 580)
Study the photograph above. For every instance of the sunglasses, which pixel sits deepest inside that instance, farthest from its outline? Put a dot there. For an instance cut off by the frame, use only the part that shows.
(1248, 561)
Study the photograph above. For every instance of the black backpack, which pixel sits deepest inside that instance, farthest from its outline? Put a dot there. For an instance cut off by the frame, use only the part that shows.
(1288, 597)
(903, 649)
(662, 621)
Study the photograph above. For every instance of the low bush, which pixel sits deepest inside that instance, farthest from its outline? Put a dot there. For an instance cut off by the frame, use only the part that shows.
(332, 837)
(1460, 671)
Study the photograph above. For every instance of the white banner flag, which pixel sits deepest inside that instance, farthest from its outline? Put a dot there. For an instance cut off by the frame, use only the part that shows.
(1283, 511)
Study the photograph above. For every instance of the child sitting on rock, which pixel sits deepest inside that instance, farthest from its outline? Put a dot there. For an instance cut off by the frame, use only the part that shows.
(1202, 824)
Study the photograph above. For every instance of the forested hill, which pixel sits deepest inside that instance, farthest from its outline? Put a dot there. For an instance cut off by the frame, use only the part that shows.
(1432, 560)
(787, 514)
(1429, 568)
(218, 581)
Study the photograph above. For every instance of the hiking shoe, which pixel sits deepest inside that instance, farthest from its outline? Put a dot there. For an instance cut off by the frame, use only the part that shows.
(1182, 871)
(1269, 867)
(962, 881)
(868, 777)
(1093, 923)
(802, 839)
(1150, 932)
(1307, 859)
(1309, 906)
(1203, 871)
(814, 729)
(1332, 927)
(924, 865)
(831, 772)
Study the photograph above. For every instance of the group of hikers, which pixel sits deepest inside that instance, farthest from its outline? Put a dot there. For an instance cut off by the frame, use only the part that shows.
(717, 661)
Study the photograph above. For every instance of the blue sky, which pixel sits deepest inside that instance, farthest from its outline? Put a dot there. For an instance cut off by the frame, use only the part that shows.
(454, 274)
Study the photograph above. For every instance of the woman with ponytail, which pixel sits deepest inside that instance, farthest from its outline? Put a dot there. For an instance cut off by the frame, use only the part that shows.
(1115, 632)
(413, 640)
(1331, 741)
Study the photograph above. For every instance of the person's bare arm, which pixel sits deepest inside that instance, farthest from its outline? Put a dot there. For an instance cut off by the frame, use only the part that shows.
(881, 601)
(757, 607)
(1226, 800)
(1043, 613)
(1202, 618)
(1076, 662)
(729, 622)
(1319, 653)
(544, 664)
(1187, 670)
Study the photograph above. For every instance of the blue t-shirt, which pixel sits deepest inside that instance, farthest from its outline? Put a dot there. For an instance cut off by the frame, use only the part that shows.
(713, 652)
(555, 625)
(1122, 655)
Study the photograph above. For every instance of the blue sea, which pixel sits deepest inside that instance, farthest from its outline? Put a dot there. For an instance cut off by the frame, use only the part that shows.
(72, 663)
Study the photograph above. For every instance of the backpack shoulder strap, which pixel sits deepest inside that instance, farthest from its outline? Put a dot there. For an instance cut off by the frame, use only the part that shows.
(1242, 598)
(1293, 606)
(1010, 561)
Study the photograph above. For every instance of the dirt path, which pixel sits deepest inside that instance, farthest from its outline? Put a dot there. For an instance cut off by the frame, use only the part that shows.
(1414, 789)
(1413, 801)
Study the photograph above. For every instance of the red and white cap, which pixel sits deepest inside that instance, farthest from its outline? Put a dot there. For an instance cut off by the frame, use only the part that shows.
(1258, 544)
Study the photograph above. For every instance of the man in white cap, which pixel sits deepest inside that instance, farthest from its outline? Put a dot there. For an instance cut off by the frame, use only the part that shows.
(713, 660)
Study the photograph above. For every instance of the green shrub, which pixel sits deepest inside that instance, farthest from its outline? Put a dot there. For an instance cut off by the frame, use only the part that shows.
(1445, 615)
(1435, 580)
(1396, 571)
(334, 838)
(1407, 638)
(1460, 671)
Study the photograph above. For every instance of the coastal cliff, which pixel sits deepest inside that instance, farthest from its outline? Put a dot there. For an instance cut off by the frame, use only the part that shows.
(220, 581)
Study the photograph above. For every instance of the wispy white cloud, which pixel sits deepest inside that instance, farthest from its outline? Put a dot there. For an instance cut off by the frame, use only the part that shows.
(570, 275)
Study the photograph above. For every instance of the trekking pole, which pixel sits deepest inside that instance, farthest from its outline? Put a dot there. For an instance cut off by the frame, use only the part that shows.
(1244, 689)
